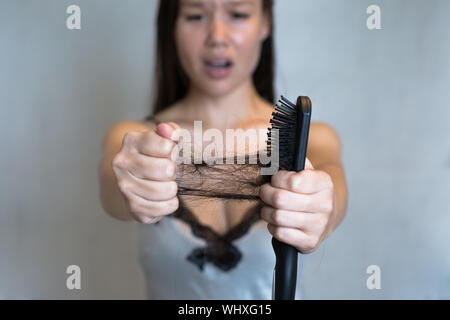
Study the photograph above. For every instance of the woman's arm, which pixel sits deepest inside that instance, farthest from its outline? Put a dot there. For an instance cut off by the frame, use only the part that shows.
(111, 197)
(324, 152)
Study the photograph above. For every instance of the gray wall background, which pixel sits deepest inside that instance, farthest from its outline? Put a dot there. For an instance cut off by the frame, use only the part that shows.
(385, 91)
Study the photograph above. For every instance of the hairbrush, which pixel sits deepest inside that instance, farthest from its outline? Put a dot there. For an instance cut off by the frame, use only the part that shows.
(289, 136)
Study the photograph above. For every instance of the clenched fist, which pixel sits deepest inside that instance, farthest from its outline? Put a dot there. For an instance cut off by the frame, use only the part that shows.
(145, 169)
(299, 207)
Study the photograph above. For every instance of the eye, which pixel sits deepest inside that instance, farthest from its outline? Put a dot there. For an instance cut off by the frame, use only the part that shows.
(194, 17)
(239, 15)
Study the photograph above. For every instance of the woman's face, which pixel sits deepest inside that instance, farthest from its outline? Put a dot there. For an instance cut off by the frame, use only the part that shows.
(219, 42)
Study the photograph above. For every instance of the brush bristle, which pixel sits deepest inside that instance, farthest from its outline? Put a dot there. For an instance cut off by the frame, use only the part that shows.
(285, 120)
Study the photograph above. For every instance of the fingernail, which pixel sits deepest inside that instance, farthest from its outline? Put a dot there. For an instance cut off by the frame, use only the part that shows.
(164, 130)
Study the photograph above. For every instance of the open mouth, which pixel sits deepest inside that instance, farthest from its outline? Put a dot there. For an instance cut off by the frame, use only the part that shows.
(219, 64)
(218, 68)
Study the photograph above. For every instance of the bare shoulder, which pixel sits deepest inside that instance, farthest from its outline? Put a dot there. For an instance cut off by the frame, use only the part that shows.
(324, 144)
(323, 133)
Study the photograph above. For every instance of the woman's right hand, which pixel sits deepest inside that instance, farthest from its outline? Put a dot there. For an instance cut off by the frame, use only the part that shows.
(146, 170)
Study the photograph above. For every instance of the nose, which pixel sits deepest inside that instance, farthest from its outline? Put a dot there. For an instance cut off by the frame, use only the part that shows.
(217, 35)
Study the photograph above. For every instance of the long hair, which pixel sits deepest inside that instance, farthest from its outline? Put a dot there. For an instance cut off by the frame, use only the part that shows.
(172, 83)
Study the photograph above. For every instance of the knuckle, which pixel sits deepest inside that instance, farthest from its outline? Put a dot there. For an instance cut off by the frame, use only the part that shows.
(306, 250)
(310, 245)
(173, 204)
(128, 138)
(327, 206)
(278, 198)
(172, 188)
(171, 169)
(120, 161)
(124, 186)
(277, 216)
(134, 207)
(278, 233)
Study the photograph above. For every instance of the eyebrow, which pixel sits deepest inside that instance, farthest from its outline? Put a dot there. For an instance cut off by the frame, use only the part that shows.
(195, 4)
(239, 3)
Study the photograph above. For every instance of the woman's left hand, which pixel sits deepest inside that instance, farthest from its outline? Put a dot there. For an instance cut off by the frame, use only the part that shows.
(299, 207)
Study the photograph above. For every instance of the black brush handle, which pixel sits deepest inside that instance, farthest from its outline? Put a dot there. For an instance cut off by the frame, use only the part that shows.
(285, 273)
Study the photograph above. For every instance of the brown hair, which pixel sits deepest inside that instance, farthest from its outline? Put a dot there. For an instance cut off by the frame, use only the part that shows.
(171, 81)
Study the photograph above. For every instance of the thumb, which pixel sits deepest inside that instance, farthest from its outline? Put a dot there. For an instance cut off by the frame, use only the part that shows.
(168, 130)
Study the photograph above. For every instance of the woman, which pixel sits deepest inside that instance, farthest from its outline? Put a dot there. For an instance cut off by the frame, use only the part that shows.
(215, 64)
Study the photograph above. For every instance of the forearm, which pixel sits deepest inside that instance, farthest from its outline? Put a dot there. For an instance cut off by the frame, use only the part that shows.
(337, 175)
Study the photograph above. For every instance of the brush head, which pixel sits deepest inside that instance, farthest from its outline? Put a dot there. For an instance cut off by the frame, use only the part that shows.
(285, 119)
